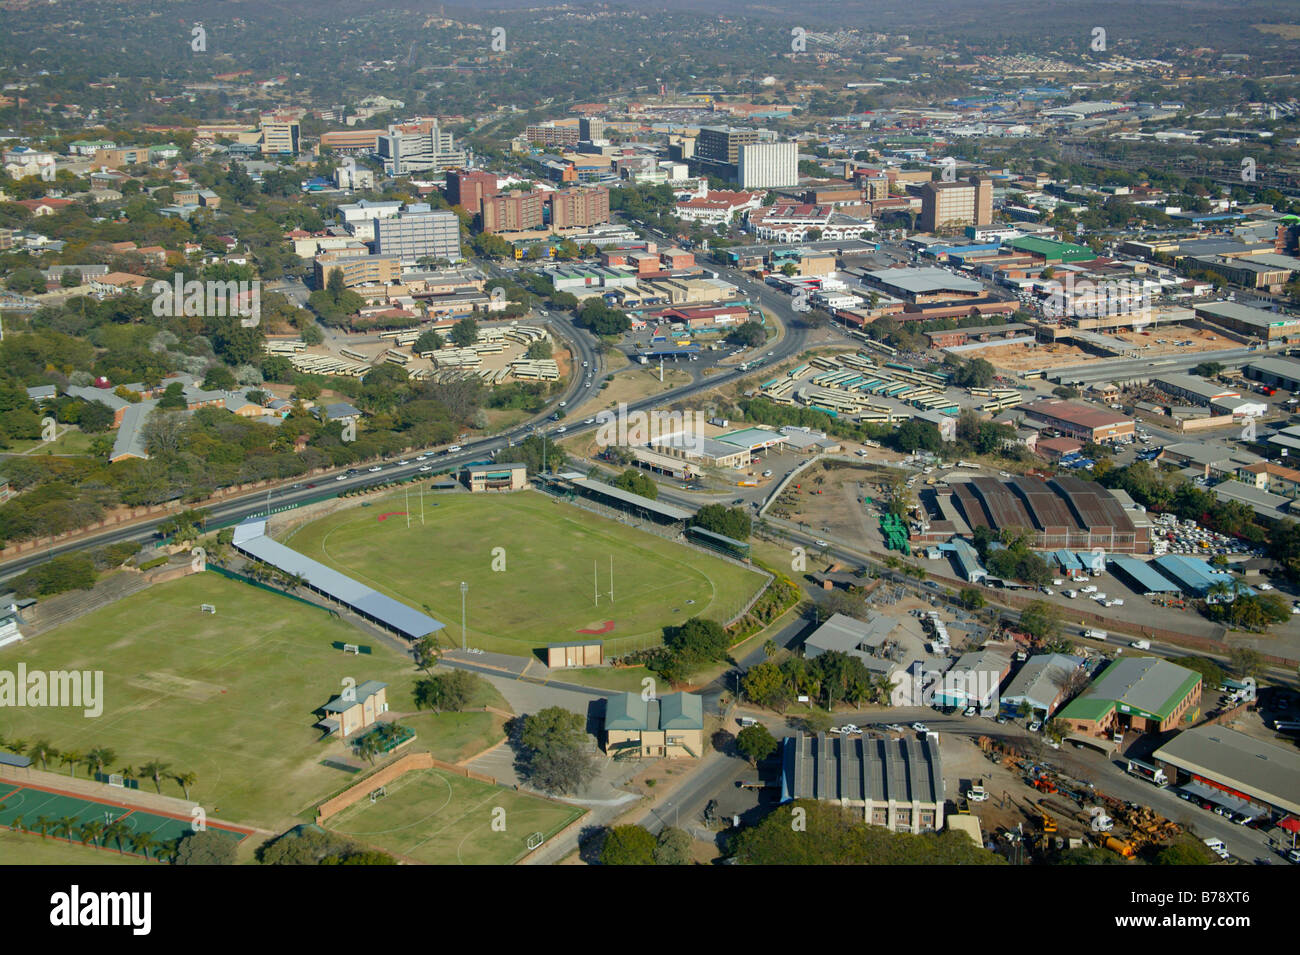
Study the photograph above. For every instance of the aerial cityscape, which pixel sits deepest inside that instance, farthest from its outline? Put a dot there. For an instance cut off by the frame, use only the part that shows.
(602, 435)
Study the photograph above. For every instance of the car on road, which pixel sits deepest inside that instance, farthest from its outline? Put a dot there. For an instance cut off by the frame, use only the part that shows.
(767, 474)
(426, 467)
(373, 468)
(561, 429)
(590, 421)
(403, 461)
(563, 403)
(341, 477)
(920, 727)
(969, 711)
(453, 449)
(584, 364)
(420, 457)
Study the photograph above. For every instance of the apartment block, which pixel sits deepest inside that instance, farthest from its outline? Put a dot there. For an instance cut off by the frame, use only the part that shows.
(514, 212)
(768, 165)
(549, 134)
(358, 268)
(468, 189)
(578, 208)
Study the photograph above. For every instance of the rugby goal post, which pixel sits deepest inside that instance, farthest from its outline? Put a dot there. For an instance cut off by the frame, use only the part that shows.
(207, 608)
(114, 779)
(351, 648)
(378, 794)
(535, 840)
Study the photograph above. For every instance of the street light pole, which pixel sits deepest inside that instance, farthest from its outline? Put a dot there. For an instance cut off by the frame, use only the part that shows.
(464, 588)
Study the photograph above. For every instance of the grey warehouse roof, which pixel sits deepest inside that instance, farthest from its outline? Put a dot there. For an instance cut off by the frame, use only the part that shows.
(1254, 766)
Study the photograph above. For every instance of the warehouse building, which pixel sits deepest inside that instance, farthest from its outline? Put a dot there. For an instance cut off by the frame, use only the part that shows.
(1246, 320)
(1192, 388)
(1080, 421)
(1042, 683)
(867, 640)
(1234, 770)
(1139, 576)
(1191, 574)
(1139, 694)
(1281, 373)
(897, 783)
(1065, 512)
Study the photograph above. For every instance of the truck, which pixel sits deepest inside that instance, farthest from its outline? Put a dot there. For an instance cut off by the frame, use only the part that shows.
(1141, 644)
(1095, 634)
(1152, 774)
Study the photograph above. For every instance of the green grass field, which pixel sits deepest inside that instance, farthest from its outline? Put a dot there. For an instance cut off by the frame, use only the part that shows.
(444, 819)
(229, 697)
(28, 848)
(545, 593)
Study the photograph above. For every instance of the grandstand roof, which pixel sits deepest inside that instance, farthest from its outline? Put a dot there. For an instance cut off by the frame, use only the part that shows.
(250, 538)
(636, 500)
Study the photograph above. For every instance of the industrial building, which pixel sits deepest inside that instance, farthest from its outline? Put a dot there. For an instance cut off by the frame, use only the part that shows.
(1191, 574)
(1193, 388)
(1079, 420)
(1064, 512)
(1246, 320)
(1042, 683)
(1139, 576)
(897, 783)
(1232, 769)
(867, 640)
(1281, 373)
(1142, 694)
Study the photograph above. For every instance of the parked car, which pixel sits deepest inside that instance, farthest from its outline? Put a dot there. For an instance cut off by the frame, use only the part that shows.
(969, 711)
(920, 727)
(1035, 726)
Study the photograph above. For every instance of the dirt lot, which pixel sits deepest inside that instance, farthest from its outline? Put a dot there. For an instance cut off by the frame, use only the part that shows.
(836, 510)
(1158, 340)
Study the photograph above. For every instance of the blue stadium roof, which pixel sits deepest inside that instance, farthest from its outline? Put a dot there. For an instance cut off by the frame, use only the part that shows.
(250, 537)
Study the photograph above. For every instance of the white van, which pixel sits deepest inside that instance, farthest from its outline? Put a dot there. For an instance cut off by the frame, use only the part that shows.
(1141, 644)
(748, 721)
(1095, 634)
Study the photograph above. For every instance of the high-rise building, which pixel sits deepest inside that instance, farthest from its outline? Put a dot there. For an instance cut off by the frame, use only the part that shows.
(721, 144)
(946, 205)
(591, 128)
(549, 134)
(279, 135)
(575, 208)
(468, 189)
(513, 212)
(418, 146)
(419, 231)
(768, 165)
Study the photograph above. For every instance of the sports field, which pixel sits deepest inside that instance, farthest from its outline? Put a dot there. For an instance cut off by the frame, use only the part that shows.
(552, 558)
(229, 697)
(444, 819)
(29, 807)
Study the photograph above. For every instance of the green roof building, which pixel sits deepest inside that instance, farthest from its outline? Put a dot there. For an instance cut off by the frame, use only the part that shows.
(1053, 252)
(1143, 694)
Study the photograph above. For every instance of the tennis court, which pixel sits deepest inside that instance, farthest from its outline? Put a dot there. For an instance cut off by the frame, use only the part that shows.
(66, 813)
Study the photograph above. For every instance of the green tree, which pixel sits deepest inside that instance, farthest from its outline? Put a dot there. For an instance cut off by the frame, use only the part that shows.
(208, 847)
(756, 743)
(637, 482)
(464, 333)
(674, 847)
(628, 845)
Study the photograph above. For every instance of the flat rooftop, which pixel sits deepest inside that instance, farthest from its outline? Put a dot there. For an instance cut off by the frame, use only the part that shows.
(1256, 767)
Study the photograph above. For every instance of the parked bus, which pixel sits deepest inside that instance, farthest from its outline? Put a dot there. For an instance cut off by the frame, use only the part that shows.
(354, 355)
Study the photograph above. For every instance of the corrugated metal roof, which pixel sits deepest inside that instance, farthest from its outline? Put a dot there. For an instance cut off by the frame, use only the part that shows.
(250, 537)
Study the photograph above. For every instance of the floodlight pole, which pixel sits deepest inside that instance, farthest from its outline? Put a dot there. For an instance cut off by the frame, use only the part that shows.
(464, 588)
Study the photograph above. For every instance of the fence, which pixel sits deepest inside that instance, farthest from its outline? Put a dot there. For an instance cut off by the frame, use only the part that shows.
(385, 775)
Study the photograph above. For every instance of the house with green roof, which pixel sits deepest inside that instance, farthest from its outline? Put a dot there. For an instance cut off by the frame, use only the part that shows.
(1140, 694)
(1053, 253)
(670, 726)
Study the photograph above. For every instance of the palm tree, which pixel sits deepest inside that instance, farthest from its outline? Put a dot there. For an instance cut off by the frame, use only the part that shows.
(367, 748)
(43, 751)
(186, 780)
(155, 768)
(99, 757)
(17, 824)
(91, 829)
(141, 842)
(770, 649)
(16, 746)
(65, 827)
(116, 830)
(71, 758)
(43, 825)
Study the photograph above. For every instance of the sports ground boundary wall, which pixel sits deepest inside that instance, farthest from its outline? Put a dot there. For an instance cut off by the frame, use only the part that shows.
(102, 792)
(385, 775)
